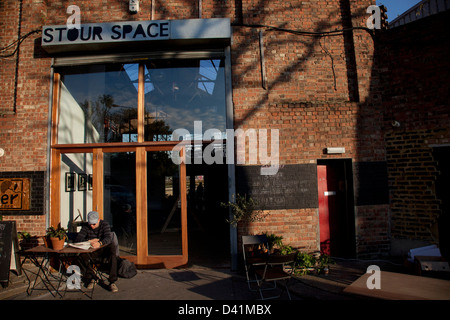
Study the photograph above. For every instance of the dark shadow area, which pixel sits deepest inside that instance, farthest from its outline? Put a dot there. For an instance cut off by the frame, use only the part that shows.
(341, 208)
(208, 231)
(442, 157)
(349, 44)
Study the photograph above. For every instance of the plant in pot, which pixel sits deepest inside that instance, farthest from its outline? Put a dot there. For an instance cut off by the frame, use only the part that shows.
(26, 240)
(57, 236)
(324, 262)
(274, 241)
(244, 210)
(305, 263)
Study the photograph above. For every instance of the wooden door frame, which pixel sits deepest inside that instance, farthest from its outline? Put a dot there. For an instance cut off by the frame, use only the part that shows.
(98, 149)
(165, 261)
(142, 258)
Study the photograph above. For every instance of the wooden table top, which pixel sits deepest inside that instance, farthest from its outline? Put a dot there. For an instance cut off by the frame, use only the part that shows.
(398, 286)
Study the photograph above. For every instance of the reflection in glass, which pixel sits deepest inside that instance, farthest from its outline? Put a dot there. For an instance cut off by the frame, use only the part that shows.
(76, 189)
(163, 205)
(179, 92)
(119, 196)
(98, 104)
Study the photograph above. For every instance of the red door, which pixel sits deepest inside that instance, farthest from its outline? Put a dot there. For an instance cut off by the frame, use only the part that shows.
(327, 205)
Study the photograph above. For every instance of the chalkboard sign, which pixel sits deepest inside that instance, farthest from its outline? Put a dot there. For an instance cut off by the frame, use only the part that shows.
(9, 258)
(293, 187)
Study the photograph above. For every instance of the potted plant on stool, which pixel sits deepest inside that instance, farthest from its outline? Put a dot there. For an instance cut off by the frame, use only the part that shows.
(57, 236)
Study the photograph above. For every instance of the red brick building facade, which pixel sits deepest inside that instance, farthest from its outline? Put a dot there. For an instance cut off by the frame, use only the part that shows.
(292, 69)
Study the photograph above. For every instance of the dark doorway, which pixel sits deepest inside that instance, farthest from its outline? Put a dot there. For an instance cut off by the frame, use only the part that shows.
(336, 208)
(442, 157)
(208, 230)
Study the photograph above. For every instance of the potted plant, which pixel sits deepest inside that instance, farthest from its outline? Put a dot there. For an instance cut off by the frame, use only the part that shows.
(26, 240)
(305, 263)
(57, 236)
(324, 262)
(274, 241)
(244, 210)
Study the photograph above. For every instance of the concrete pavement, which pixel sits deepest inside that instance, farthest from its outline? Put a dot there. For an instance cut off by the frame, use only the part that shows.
(176, 292)
(203, 283)
(166, 284)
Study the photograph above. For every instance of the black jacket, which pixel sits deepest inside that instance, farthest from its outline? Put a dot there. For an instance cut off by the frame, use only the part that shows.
(102, 232)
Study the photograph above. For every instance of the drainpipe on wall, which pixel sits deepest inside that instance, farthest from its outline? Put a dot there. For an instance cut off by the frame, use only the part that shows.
(19, 28)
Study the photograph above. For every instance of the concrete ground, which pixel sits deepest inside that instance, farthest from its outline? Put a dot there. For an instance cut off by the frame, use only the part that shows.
(202, 283)
(165, 284)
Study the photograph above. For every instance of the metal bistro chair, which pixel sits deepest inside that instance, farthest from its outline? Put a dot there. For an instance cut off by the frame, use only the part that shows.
(254, 259)
(276, 268)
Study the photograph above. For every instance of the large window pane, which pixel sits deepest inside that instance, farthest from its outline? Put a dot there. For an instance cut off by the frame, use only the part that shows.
(163, 204)
(98, 104)
(179, 92)
(119, 198)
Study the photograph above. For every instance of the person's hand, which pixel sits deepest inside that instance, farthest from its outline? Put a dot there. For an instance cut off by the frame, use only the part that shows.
(95, 244)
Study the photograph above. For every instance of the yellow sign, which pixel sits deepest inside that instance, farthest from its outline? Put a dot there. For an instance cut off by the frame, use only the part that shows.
(14, 194)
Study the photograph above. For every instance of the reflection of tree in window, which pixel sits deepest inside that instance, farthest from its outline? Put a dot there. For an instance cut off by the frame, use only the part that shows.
(110, 119)
(107, 95)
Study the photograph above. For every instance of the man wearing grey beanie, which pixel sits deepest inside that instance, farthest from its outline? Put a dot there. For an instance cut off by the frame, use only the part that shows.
(98, 233)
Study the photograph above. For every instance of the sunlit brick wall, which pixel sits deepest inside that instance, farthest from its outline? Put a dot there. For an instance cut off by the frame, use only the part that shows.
(319, 91)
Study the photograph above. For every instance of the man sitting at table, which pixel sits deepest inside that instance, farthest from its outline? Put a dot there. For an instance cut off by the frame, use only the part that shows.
(98, 233)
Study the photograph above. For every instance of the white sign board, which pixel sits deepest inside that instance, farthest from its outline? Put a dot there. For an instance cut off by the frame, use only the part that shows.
(92, 36)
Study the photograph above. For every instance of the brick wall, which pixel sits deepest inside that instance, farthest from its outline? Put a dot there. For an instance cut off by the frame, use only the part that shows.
(8, 34)
(35, 225)
(24, 97)
(412, 176)
(372, 231)
(320, 92)
(299, 227)
(415, 72)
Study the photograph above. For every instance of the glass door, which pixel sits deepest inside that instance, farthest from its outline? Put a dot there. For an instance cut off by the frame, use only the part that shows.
(166, 208)
(119, 198)
(163, 205)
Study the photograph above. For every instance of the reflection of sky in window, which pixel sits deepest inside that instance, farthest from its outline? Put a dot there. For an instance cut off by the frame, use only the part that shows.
(148, 82)
(132, 71)
(207, 75)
